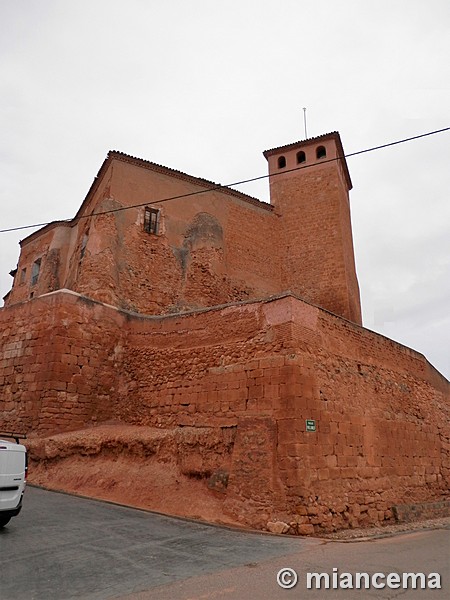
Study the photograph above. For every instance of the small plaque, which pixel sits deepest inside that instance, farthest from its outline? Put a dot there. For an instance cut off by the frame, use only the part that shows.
(310, 425)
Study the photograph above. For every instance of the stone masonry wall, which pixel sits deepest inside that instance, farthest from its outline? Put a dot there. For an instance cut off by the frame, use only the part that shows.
(210, 249)
(203, 368)
(317, 261)
(382, 419)
(58, 360)
(258, 369)
(213, 246)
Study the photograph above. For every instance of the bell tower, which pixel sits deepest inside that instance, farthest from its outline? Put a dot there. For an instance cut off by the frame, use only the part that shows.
(309, 190)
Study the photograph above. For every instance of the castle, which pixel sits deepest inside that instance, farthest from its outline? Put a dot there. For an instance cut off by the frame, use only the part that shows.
(170, 301)
(164, 241)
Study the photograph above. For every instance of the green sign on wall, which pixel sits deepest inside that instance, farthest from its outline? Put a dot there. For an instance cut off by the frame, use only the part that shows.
(310, 425)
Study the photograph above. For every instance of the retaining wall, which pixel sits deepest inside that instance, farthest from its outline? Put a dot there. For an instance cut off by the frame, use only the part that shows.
(261, 369)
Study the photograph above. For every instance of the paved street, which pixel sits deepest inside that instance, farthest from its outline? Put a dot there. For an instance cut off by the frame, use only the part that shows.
(62, 547)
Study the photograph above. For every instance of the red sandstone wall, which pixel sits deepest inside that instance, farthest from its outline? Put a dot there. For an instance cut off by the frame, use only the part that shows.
(212, 247)
(382, 412)
(51, 248)
(312, 202)
(203, 369)
(317, 260)
(58, 363)
(382, 415)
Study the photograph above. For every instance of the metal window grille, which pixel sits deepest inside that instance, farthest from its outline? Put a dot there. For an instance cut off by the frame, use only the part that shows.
(151, 220)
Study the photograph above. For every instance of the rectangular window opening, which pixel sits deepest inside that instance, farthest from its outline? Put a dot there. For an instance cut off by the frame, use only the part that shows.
(23, 275)
(151, 220)
(84, 242)
(35, 271)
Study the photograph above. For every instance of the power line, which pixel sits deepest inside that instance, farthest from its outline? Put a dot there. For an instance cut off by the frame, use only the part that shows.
(35, 225)
(230, 185)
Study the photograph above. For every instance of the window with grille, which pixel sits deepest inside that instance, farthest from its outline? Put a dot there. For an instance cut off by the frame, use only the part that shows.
(151, 220)
(35, 271)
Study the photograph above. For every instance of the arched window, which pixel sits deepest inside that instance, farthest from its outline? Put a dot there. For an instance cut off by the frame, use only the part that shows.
(281, 162)
(321, 152)
(301, 157)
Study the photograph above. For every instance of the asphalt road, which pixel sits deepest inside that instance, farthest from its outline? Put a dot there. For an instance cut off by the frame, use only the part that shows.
(62, 547)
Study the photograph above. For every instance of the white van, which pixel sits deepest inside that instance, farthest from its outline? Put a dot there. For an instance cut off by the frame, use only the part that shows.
(13, 475)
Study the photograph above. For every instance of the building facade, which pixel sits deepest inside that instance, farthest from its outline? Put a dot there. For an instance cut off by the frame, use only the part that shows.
(169, 302)
(153, 240)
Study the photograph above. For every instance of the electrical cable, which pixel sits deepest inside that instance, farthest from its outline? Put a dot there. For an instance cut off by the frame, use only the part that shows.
(230, 185)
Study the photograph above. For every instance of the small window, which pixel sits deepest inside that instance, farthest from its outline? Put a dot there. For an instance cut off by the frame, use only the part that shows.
(301, 157)
(281, 162)
(321, 152)
(35, 271)
(151, 220)
(23, 275)
(84, 242)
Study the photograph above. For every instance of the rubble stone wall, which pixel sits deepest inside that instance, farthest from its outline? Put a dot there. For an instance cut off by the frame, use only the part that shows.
(257, 369)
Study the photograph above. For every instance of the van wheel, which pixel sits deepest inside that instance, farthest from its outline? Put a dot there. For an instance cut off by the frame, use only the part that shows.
(4, 521)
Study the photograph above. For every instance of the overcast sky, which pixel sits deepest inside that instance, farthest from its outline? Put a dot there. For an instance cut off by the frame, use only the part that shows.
(204, 87)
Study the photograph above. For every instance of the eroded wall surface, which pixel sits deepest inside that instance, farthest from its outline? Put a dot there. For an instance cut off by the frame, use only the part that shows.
(257, 371)
(209, 244)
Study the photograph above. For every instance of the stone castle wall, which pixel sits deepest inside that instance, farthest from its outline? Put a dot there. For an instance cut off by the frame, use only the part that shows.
(258, 370)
